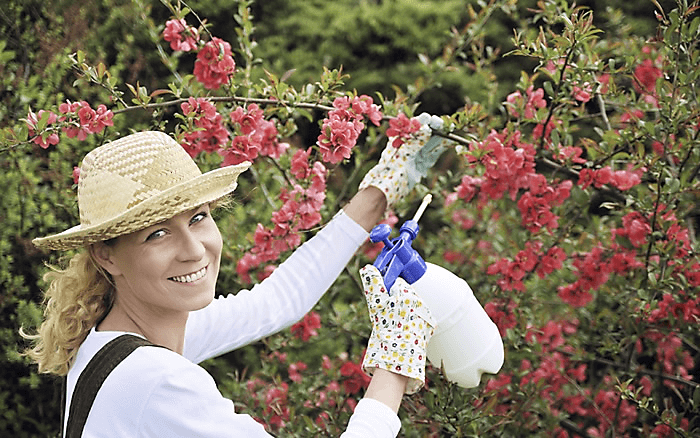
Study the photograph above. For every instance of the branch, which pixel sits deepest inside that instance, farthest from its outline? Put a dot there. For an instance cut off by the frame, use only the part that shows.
(227, 99)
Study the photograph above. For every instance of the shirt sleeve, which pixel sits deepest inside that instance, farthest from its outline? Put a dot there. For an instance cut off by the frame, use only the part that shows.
(278, 301)
(372, 419)
(186, 403)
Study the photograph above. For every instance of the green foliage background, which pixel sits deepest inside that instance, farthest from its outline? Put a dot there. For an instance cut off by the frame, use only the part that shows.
(378, 43)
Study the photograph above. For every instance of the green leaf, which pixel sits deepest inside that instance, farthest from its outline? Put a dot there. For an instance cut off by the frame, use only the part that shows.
(548, 88)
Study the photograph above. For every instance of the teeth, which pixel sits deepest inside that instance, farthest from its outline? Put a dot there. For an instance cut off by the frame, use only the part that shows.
(189, 278)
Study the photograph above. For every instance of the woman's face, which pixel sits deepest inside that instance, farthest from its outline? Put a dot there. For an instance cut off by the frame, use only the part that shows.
(168, 267)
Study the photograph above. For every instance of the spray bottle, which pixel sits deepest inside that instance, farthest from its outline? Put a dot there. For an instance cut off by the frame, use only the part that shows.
(465, 342)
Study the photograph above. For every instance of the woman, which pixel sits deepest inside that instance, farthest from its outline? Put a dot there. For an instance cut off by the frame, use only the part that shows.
(148, 267)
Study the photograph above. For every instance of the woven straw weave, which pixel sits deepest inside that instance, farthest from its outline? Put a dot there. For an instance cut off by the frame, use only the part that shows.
(135, 182)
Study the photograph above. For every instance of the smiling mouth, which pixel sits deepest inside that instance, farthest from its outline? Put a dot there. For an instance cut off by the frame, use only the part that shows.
(189, 278)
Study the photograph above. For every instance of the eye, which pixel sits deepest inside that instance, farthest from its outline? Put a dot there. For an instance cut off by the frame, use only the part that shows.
(199, 217)
(156, 235)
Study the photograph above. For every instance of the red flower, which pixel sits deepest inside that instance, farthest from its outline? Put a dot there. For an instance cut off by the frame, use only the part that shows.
(401, 127)
(214, 65)
(300, 164)
(356, 379)
(646, 74)
(343, 126)
(211, 135)
(338, 137)
(306, 328)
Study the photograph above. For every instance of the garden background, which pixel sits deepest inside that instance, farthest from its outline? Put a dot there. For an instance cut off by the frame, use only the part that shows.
(569, 201)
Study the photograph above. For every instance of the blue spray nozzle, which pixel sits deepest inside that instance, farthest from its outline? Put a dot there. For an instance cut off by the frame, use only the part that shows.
(398, 258)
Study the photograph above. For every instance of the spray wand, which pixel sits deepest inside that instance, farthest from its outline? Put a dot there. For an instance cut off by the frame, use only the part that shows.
(398, 258)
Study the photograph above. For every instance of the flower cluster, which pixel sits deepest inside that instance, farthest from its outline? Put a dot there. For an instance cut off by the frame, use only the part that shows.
(508, 163)
(622, 179)
(530, 259)
(208, 133)
(306, 328)
(181, 37)
(255, 136)
(647, 74)
(337, 383)
(535, 100)
(342, 127)
(77, 119)
(214, 65)
(50, 137)
(400, 127)
(300, 211)
(82, 120)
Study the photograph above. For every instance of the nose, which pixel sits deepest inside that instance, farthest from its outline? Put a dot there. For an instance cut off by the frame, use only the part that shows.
(191, 246)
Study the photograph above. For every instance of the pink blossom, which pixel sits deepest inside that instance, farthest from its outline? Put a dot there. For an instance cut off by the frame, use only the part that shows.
(300, 163)
(631, 116)
(295, 370)
(515, 99)
(210, 134)
(76, 174)
(574, 295)
(44, 140)
(366, 106)
(276, 405)
(240, 150)
(468, 188)
(604, 80)
(180, 36)
(401, 127)
(214, 65)
(266, 136)
(199, 106)
(342, 127)
(636, 228)
(337, 139)
(582, 94)
(508, 164)
(622, 179)
(570, 153)
(248, 118)
(82, 120)
(550, 262)
(535, 101)
(258, 136)
(539, 130)
(511, 274)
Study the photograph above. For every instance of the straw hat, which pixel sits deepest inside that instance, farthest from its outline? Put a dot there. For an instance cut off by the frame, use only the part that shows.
(135, 182)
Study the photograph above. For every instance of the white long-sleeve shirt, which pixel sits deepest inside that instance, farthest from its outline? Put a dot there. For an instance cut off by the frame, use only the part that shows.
(155, 392)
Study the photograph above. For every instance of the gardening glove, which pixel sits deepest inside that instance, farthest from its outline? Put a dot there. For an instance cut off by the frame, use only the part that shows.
(400, 169)
(401, 328)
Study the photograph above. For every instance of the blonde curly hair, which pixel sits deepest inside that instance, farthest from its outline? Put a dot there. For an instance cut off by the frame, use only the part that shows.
(78, 298)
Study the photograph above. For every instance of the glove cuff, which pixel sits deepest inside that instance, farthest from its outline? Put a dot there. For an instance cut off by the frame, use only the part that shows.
(401, 352)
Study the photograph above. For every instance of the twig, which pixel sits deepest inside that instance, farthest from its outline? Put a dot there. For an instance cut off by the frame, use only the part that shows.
(603, 113)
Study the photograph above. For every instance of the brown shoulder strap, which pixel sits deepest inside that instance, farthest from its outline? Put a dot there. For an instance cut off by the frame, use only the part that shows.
(94, 375)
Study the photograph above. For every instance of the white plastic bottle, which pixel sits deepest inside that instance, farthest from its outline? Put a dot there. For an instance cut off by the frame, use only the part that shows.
(465, 343)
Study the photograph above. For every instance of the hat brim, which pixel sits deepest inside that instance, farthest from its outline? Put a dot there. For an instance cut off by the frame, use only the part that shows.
(203, 189)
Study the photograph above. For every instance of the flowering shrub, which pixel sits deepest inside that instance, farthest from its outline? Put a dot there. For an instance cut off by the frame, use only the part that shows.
(569, 203)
